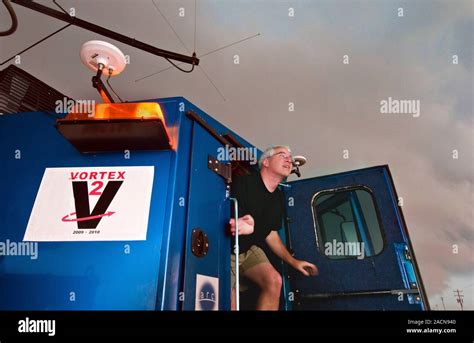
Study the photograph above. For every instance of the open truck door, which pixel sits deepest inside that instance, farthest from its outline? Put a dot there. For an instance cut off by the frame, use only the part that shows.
(350, 225)
(206, 283)
(207, 248)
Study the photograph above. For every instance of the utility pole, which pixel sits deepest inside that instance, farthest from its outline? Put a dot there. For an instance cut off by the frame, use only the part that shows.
(459, 297)
(442, 300)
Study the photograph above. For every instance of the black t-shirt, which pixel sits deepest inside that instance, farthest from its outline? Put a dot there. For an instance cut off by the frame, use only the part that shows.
(265, 207)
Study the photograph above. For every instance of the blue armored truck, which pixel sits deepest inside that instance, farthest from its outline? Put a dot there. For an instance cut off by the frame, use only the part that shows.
(126, 209)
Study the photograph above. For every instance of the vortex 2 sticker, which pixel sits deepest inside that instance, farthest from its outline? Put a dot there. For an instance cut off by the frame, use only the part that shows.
(92, 204)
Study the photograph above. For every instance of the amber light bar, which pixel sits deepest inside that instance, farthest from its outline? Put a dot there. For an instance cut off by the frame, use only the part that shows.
(137, 110)
(117, 127)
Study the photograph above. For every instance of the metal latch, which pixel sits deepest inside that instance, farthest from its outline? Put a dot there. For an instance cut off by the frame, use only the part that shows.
(220, 168)
(407, 254)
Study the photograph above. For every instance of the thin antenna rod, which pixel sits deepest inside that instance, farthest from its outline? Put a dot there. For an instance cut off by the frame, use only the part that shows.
(195, 10)
(35, 44)
(60, 7)
(201, 56)
(169, 24)
(228, 45)
(207, 76)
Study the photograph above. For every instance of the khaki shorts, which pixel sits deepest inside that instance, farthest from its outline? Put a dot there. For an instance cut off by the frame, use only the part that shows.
(247, 260)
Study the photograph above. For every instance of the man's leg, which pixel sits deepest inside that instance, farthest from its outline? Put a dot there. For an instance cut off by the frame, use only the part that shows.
(269, 281)
(233, 300)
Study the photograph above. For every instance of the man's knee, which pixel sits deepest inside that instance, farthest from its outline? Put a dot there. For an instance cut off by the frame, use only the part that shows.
(273, 282)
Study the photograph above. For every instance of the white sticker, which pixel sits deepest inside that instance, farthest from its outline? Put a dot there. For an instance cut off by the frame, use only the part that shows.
(92, 204)
(207, 293)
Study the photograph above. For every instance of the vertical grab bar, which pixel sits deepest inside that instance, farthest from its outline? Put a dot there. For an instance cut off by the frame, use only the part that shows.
(236, 252)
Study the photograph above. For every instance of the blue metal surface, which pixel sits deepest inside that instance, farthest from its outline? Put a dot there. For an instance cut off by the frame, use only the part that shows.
(96, 275)
(101, 275)
(172, 250)
(380, 272)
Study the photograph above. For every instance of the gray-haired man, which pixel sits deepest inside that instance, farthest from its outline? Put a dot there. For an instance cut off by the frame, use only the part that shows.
(261, 213)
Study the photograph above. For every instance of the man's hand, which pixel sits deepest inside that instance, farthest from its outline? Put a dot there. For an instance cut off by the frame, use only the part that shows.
(274, 242)
(246, 224)
(305, 268)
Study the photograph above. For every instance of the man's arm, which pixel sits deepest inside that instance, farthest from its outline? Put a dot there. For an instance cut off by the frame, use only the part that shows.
(274, 242)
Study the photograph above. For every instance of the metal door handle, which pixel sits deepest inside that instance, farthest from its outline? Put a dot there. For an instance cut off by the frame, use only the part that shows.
(236, 252)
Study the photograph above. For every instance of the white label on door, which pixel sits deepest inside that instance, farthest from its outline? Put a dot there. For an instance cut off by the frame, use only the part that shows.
(207, 293)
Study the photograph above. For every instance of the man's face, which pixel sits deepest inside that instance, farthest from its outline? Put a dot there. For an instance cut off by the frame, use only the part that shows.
(280, 162)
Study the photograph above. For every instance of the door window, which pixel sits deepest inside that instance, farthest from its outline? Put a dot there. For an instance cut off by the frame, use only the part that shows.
(347, 223)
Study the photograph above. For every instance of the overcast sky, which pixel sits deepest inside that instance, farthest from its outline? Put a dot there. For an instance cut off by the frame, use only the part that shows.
(300, 59)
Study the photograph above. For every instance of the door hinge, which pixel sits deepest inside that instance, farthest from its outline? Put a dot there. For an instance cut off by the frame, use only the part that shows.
(220, 168)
